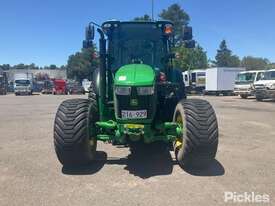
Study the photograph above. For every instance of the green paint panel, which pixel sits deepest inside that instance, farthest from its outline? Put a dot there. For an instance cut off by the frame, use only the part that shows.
(135, 75)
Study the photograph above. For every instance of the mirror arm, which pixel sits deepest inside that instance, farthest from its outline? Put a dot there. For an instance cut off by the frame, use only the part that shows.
(93, 23)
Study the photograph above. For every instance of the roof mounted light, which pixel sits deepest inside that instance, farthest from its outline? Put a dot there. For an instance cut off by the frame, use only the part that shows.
(168, 29)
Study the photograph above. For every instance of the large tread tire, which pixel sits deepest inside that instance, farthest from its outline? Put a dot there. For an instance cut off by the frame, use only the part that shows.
(200, 136)
(73, 139)
(243, 96)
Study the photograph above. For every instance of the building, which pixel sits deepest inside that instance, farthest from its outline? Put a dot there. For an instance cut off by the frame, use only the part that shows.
(51, 73)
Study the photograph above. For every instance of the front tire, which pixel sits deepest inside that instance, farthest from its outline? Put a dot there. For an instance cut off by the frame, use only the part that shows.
(198, 145)
(74, 134)
(244, 96)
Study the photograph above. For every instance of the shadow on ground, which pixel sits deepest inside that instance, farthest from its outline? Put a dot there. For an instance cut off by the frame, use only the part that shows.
(145, 164)
(214, 169)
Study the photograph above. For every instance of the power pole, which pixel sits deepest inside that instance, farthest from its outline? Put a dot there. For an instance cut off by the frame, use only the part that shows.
(152, 10)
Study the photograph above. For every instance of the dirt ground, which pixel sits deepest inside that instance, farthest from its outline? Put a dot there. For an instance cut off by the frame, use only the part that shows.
(30, 173)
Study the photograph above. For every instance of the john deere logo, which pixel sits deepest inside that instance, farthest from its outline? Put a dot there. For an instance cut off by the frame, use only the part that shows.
(134, 102)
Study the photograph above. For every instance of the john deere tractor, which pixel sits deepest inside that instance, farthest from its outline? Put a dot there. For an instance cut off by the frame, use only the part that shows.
(136, 98)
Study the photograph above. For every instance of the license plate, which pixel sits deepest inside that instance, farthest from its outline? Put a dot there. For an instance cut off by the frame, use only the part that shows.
(137, 114)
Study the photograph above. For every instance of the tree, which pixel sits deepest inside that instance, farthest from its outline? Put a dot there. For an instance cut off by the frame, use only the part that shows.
(178, 16)
(5, 67)
(81, 65)
(271, 65)
(20, 66)
(195, 58)
(53, 67)
(224, 57)
(255, 63)
(145, 17)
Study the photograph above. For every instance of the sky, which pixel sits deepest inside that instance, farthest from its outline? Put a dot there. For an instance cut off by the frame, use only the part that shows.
(47, 32)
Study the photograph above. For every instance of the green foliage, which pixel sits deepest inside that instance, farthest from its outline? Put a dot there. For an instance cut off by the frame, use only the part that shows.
(5, 67)
(145, 17)
(82, 64)
(195, 58)
(224, 57)
(271, 66)
(29, 66)
(255, 63)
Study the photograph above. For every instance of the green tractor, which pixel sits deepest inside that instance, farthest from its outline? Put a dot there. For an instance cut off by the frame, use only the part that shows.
(136, 98)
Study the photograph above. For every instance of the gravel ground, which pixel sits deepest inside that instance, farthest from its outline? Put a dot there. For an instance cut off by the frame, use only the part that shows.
(30, 173)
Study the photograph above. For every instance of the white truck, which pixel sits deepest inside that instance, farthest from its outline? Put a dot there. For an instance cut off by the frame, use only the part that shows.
(244, 83)
(194, 80)
(220, 80)
(23, 84)
(265, 87)
(86, 85)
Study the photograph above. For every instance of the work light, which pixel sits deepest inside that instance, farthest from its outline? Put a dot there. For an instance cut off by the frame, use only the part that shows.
(123, 90)
(145, 90)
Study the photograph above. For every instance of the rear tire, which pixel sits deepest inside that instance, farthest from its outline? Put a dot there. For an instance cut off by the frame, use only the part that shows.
(243, 96)
(259, 98)
(199, 141)
(74, 137)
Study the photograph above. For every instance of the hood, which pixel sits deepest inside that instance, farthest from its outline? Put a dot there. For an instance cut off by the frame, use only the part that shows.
(135, 75)
(243, 86)
(265, 82)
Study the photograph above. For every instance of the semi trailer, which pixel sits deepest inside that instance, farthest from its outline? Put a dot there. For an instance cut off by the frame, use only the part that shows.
(221, 80)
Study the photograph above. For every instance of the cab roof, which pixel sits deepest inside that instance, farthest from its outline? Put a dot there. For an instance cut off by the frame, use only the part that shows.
(137, 22)
(252, 71)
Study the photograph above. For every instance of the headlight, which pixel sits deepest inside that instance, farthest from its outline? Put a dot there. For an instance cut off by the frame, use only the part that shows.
(123, 90)
(145, 90)
(272, 86)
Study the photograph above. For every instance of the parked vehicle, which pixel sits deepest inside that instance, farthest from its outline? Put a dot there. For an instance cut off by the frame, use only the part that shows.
(3, 83)
(132, 104)
(86, 85)
(265, 87)
(59, 87)
(23, 84)
(194, 81)
(221, 80)
(245, 81)
(75, 88)
(47, 87)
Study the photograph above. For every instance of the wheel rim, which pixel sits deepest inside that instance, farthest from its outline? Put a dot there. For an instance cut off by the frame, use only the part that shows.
(180, 141)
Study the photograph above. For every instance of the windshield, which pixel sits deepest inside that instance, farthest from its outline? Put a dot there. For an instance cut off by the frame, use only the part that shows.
(137, 43)
(269, 75)
(22, 82)
(246, 77)
(141, 52)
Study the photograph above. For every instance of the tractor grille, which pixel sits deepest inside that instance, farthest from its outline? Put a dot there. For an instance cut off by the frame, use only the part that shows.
(145, 102)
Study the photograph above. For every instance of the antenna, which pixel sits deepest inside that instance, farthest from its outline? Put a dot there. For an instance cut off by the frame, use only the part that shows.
(152, 10)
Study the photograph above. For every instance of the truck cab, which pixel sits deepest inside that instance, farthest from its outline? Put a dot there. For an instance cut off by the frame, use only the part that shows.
(265, 87)
(194, 81)
(244, 83)
(59, 86)
(23, 84)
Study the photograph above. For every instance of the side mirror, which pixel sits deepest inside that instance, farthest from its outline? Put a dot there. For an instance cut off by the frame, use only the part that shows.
(187, 33)
(90, 33)
(190, 44)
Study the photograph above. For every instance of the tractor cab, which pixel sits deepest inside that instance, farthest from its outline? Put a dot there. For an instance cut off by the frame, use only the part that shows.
(139, 43)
